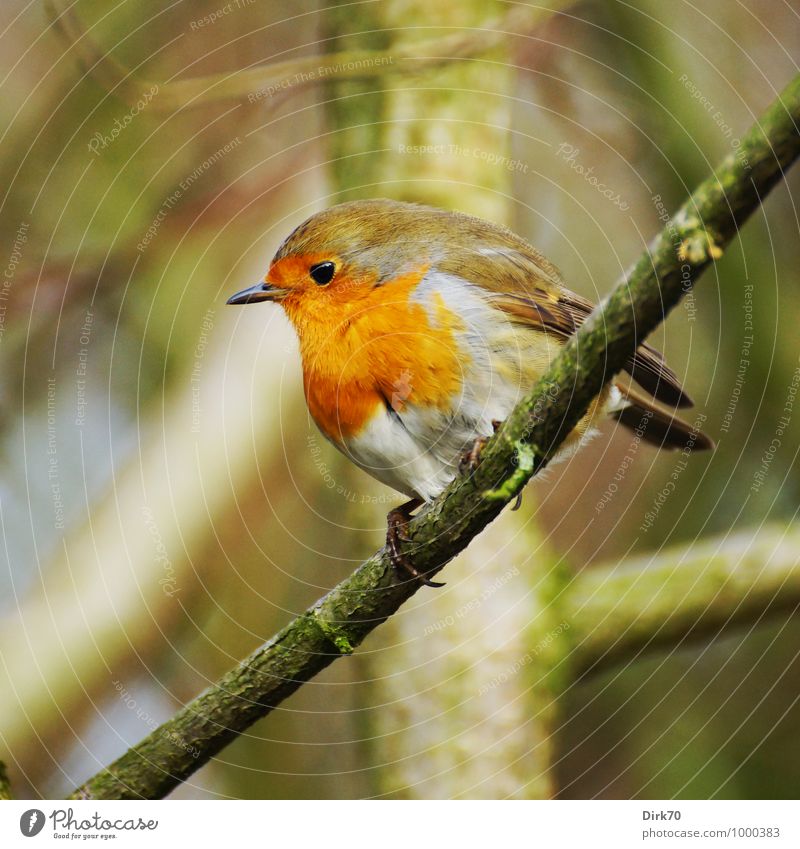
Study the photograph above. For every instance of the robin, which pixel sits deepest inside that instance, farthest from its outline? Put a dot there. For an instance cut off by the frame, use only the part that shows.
(420, 329)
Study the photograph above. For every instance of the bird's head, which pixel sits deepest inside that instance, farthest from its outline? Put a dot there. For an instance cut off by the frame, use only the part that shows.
(338, 256)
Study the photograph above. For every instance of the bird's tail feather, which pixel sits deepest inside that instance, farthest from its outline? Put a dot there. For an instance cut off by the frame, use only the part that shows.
(662, 428)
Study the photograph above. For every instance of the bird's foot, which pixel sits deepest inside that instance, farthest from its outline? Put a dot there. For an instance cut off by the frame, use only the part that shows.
(396, 522)
(470, 459)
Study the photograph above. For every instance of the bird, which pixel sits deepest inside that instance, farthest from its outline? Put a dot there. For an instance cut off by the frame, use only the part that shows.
(421, 328)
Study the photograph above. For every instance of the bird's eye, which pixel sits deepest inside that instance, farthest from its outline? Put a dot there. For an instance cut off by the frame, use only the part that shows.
(322, 273)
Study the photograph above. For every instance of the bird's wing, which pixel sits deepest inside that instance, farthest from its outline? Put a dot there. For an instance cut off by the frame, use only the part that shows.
(528, 288)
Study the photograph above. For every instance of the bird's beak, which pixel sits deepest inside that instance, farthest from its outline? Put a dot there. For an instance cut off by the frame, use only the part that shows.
(260, 292)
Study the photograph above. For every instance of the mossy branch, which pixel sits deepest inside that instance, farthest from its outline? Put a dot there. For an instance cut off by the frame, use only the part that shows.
(681, 595)
(338, 622)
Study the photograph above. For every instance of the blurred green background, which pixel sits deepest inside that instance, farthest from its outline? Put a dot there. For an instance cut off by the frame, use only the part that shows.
(167, 504)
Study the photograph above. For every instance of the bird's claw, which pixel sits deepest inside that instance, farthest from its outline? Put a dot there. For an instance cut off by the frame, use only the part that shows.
(396, 522)
(470, 459)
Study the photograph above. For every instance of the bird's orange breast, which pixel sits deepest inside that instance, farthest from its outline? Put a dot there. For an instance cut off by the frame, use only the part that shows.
(377, 348)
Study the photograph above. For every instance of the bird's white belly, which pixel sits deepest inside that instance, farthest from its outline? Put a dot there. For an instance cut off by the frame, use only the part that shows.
(396, 456)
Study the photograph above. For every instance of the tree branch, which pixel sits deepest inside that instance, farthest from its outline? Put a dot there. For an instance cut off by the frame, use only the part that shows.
(681, 594)
(337, 623)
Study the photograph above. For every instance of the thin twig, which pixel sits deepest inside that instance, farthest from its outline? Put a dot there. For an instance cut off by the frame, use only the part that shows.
(273, 82)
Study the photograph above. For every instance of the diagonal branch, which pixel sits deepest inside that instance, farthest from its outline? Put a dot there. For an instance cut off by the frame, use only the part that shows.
(337, 623)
